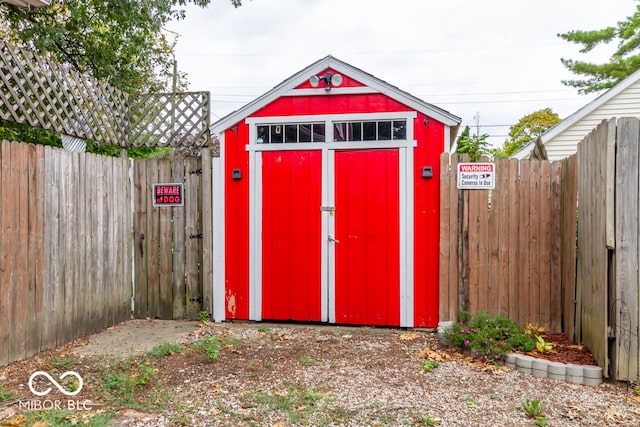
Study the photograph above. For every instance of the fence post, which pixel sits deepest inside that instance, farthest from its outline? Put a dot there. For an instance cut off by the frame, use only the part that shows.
(463, 255)
(207, 231)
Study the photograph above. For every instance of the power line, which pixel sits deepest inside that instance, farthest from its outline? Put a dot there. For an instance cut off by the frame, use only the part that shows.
(422, 96)
(376, 52)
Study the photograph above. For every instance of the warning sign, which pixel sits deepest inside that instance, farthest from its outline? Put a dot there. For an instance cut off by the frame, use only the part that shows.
(476, 176)
(168, 194)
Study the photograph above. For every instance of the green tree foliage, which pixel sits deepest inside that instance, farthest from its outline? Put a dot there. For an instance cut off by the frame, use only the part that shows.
(624, 61)
(12, 131)
(526, 130)
(121, 42)
(474, 145)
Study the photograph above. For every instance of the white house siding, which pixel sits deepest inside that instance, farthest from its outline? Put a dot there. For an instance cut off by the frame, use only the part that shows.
(624, 104)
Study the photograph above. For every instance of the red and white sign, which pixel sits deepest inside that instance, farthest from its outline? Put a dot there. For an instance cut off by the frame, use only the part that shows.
(476, 176)
(168, 194)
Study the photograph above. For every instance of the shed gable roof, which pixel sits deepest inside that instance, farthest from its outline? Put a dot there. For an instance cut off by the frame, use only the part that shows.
(368, 80)
(579, 115)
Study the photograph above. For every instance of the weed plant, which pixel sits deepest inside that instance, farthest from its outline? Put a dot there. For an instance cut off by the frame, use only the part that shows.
(533, 409)
(121, 379)
(211, 347)
(429, 365)
(66, 363)
(6, 395)
(426, 420)
(66, 418)
(299, 403)
(488, 338)
(308, 361)
(165, 349)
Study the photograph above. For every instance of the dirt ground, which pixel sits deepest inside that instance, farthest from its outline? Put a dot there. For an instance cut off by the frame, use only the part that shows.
(133, 337)
(267, 374)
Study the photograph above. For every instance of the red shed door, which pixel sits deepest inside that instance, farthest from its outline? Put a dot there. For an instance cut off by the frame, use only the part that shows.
(367, 233)
(291, 227)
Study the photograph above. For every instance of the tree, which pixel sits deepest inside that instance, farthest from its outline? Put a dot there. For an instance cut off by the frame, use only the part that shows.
(526, 130)
(121, 42)
(624, 61)
(473, 145)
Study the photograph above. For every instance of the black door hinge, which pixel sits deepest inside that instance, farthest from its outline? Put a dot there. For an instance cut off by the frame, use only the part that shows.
(196, 299)
(195, 236)
(197, 171)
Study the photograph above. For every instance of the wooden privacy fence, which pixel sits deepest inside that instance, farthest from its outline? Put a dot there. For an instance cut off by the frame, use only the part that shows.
(511, 250)
(65, 234)
(172, 252)
(607, 289)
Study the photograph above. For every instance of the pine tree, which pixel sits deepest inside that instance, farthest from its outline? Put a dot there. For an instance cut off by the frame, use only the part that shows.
(624, 61)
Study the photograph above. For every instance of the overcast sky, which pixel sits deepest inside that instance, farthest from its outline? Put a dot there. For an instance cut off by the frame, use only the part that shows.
(496, 59)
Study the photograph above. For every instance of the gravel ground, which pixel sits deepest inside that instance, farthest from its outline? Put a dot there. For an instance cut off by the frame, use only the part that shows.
(286, 375)
(365, 376)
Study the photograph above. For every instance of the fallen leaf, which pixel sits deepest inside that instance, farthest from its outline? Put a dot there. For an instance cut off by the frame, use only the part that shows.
(14, 422)
(610, 414)
(6, 413)
(409, 336)
(635, 398)
(39, 424)
(285, 337)
(432, 354)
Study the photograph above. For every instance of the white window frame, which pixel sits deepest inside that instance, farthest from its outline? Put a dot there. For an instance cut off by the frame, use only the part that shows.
(327, 225)
(329, 120)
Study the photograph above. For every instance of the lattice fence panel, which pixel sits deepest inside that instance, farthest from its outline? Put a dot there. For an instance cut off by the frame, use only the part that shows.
(175, 119)
(42, 93)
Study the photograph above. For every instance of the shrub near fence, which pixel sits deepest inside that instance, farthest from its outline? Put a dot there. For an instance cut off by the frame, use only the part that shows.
(504, 251)
(65, 240)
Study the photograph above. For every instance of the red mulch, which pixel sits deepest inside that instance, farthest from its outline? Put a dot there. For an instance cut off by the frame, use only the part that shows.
(565, 350)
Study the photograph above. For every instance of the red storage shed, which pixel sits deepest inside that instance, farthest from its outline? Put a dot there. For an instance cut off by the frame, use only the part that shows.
(327, 202)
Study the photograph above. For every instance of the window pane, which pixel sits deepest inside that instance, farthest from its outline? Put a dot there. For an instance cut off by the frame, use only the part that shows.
(340, 131)
(356, 131)
(291, 133)
(277, 136)
(384, 131)
(318, 132)
(399, 129)
(263, 134)
(305, 133)
(369, 132)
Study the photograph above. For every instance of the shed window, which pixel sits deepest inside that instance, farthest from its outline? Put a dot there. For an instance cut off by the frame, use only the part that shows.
(383, 130)
(291, 133)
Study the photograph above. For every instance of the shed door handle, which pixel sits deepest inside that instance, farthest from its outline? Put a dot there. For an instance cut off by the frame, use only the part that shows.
(333, 239)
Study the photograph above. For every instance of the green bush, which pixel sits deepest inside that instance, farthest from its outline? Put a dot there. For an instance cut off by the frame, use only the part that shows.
(488, 338)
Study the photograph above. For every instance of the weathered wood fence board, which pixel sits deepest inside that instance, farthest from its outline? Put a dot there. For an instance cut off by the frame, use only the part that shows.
(568, 197)
(65, 228)
(624, 309)
(500, 250)
(170, 241)
(592, 263)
